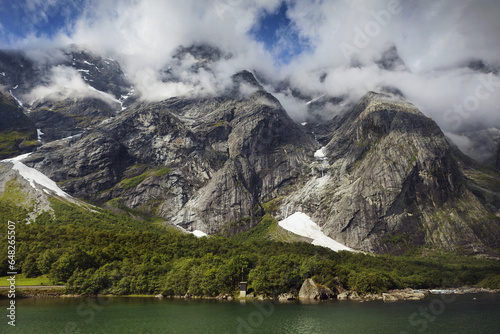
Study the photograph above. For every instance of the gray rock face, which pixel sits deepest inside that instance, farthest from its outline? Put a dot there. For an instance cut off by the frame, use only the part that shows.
(389, 156)
(391, 181)
(12, 116)
(311, 290)
(87, 166)
(17, 133)
(61, 119)
(199, 163)
(265, 153)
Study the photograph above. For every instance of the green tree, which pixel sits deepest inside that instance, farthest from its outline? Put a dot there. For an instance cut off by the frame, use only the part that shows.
(30, 266)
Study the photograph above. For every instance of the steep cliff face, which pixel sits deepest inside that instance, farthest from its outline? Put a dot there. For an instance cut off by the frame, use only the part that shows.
(390, 180)
(199, 163)
(265, 153)
(61, 119)
(17, 133)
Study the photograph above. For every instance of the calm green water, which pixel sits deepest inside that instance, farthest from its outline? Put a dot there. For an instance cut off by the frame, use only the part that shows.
(436, 314)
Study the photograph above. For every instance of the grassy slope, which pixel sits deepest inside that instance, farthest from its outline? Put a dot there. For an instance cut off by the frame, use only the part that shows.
(268, 229)
(21, 280)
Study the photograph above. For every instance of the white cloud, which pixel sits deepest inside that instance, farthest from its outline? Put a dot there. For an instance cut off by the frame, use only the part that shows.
(432, 37)
(65, 83)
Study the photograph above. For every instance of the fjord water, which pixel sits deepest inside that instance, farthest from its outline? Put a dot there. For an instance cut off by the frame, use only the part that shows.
(435, 314)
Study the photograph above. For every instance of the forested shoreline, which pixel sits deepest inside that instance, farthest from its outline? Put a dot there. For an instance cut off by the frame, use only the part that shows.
(99, 252)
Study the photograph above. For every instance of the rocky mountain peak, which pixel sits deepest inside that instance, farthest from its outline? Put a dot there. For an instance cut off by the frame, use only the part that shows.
(391, 61)
(389, 171)
(203, 53)
(21, 73)
(246, 77)
(102, 73)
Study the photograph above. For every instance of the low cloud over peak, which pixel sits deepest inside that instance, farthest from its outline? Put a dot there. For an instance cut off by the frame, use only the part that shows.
(337, 51)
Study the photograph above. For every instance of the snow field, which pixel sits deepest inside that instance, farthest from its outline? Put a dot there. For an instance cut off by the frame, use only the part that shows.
(34, 177)
(301, 224)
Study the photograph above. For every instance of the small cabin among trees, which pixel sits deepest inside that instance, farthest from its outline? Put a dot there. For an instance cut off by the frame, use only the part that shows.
(243, 289)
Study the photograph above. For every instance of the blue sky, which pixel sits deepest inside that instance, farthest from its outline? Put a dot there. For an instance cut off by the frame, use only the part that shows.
(35, 18)
(279, 35)
(22, 18)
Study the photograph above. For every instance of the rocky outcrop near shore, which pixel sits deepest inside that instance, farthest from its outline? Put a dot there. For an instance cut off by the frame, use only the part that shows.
(390, 296)
(313, 290)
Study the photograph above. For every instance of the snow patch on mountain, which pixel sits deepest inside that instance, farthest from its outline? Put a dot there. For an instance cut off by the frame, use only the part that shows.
(17, 100)
(319, 154)
(314, 100)
(36, 179)
(301, 224)
(123, 98)
(107, 96)
(39, 134)
(199, 234)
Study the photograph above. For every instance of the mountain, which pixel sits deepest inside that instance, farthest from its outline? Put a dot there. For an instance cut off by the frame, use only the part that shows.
(379, 177)
(64, 111)
(18, 73)
(391, 180)
(199, 163)
(17, 133)
(21, 72)
(482, 145)
(391, 61)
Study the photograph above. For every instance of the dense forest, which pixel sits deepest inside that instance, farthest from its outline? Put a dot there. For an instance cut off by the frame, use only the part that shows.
(103, 252)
